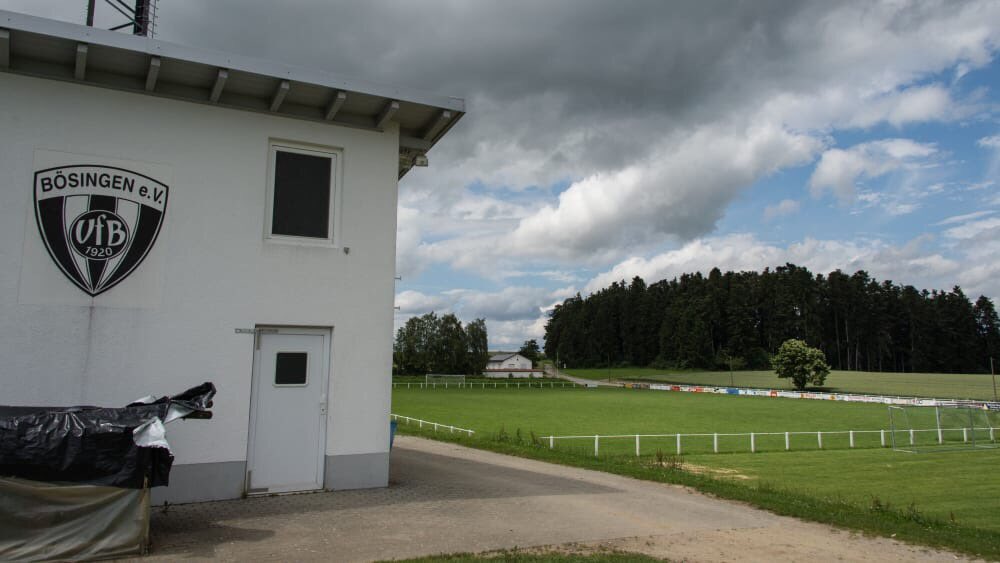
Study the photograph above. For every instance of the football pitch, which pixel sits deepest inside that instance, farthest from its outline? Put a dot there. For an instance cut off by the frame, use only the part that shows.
(959, 487)
(938, 385)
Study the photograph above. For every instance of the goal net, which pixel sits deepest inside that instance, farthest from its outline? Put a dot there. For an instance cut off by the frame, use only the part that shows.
(942, 428)
(445, 379)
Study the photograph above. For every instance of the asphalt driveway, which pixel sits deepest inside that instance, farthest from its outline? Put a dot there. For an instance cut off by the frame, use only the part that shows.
(445, 498)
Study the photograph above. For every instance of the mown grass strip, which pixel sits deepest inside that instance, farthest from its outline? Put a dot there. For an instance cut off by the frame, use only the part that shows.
(877, 517)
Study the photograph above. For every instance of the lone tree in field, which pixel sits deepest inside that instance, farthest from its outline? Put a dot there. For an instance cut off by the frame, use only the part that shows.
(531, 351)
(801, 363)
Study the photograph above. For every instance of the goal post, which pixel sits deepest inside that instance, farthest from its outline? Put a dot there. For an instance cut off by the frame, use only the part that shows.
(445, 379)
(916, 429)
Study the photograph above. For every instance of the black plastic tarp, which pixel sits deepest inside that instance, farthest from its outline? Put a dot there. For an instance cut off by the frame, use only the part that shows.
(95, 445)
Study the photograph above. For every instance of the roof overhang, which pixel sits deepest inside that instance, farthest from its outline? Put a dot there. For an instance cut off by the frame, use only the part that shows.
(64, 51)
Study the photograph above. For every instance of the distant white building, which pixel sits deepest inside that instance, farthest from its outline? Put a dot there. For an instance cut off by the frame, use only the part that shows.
(509, 365)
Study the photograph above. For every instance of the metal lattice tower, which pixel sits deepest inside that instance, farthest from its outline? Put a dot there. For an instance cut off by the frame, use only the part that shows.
(141, 16)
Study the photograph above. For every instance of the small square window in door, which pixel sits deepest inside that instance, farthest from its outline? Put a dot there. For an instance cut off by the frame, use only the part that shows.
(290, 368)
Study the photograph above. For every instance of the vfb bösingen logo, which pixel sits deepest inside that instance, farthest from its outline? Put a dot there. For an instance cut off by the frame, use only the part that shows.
(98, 222)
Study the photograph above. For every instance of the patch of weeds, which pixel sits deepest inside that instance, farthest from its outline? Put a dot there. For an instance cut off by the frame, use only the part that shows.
(878, 506)
(501, 436)
(536, 440)
(672, 462)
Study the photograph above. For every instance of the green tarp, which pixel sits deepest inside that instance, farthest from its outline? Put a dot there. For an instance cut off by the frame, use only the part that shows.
(67, 521)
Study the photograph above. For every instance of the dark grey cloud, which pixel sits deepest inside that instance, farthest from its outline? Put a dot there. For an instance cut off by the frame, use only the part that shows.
(660, 113)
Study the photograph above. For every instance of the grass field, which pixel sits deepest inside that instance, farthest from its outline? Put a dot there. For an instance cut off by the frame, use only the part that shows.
(949, 486)
(943, 385)
(944, 486)
(477, 379)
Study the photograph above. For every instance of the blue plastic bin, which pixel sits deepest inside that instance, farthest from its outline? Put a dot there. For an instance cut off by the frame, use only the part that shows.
(392, 432)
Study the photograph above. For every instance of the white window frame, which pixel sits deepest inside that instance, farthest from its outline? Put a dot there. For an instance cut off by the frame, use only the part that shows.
(336, 164)
(274, 382)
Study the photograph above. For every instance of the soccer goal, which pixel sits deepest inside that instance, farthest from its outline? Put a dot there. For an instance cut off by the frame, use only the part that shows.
(435, 379)
(937, 429)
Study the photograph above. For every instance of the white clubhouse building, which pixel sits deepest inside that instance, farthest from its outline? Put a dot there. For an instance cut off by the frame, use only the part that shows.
(170, 216)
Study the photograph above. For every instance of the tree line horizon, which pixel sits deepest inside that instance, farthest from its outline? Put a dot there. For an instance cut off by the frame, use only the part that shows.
(737, 320)
(440, 344)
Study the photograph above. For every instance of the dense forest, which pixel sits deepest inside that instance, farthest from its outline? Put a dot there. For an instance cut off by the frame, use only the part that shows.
(433, 344)
(741, 318)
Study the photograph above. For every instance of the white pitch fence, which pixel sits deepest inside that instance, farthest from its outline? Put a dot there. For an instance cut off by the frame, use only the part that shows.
(485, 385)
(751, 441)
(435, 425)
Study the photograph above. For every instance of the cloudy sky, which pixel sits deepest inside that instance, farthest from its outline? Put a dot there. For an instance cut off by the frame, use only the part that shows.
(611, 139)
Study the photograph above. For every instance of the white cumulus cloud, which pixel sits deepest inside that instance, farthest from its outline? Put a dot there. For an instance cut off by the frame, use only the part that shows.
(783, 207)
(910, 263)
(840, 170)
(992, 142)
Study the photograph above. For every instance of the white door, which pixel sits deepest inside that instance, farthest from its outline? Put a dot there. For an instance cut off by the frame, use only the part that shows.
(288, 411)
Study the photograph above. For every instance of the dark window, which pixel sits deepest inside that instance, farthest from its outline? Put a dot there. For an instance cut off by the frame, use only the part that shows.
(301, 204)
(290, 368)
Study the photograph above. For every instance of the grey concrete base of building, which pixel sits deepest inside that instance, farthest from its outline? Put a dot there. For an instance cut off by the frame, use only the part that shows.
(357, 471)
(199, 482)
(196, 482)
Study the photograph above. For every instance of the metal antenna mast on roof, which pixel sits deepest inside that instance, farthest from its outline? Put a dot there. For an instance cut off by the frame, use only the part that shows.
(141, 17)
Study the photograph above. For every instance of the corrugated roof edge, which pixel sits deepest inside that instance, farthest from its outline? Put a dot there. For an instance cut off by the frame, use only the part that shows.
(155, 47)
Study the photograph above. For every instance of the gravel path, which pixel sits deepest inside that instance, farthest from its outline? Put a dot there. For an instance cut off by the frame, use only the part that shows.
(550, 372)
(445, 498)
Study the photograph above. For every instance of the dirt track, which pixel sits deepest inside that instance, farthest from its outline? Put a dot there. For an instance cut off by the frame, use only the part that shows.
(445, 498)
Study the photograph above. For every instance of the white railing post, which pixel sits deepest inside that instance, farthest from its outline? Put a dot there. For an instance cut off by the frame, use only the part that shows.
(965, 434)
(597, 444)
(435, 427)
(451, 429)
(407, 384)
(788, 442)
(753, 443)
(911, 437)
(851, 434)
(421, 423)
(678, 444)
(882, 437)
(636, 445)
(552, 442)
(940, 435)
(992, 439)
(715, 442)
(819, 439)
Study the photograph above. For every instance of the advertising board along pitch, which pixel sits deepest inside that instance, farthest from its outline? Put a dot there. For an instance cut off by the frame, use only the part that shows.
(823, 396)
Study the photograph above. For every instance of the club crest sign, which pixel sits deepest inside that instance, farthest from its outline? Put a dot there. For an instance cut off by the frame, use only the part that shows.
(98, 222)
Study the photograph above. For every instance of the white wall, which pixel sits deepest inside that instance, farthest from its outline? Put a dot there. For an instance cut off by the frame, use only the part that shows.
(216, 272)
